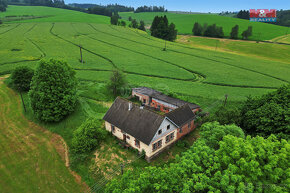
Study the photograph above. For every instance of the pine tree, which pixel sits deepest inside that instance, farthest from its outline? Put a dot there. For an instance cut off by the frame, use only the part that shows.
(234, 32)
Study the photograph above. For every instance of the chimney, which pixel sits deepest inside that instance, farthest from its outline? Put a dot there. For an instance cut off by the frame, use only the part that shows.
(130, 106)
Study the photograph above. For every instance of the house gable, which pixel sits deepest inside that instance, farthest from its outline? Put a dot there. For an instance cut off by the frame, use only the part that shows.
(164, 130)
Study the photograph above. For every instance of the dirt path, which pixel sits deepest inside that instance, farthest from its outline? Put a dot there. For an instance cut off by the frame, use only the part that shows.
(31, 158)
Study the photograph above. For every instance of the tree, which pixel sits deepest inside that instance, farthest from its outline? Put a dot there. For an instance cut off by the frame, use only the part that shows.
(234, 32)
(142, 26)
(21, 78)
(130, 18)
(123, 23)
(268, 114)
(114, 19)
(237, 164)
(161, 29)
(88, 136)
(243, 14)
(134, 23)
(247, 33)
(197, 29)
(53, 90)
(117, 82)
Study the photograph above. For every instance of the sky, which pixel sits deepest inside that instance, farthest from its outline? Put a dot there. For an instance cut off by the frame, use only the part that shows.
(213, 6)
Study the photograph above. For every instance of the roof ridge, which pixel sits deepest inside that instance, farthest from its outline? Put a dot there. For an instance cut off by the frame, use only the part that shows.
(149, 110)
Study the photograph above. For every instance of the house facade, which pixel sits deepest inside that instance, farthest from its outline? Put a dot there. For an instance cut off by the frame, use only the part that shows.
(144, 129)
(159, 101)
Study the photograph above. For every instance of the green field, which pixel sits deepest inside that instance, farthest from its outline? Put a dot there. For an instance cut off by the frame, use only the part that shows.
(50, 14)
(184, 23)
(202, 73)
(29, 161)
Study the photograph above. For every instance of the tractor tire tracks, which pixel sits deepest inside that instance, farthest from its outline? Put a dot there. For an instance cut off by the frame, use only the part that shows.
(107, 59)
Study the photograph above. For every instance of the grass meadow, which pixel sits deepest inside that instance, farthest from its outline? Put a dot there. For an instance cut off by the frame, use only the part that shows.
(184, 23)
(191, 68)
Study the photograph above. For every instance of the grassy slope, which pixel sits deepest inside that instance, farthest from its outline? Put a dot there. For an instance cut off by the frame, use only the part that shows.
(54, 14)
(29, 161)
(184, 23)
(277, 52)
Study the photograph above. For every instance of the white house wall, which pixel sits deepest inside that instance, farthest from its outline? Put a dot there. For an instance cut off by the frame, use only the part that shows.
(148, 149)
(165, 132)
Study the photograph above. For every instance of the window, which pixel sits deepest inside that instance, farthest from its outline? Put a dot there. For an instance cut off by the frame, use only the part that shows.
(112, 128)
(137, 143)
(157, 145)
(144, 100)
(160, 131)
(168, 127)
(189, 125)
(169, 137)
(128, 137)
(180, 130)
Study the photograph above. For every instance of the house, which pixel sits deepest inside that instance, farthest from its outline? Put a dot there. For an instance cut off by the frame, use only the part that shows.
(145, 129)
(160, 101)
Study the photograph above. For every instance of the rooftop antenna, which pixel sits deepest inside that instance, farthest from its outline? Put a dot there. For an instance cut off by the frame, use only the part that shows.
(130, 106)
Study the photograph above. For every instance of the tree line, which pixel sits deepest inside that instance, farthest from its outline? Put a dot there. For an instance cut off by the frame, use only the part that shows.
(216, 31)
(150, 9)
(134, 23)
(112, 7)
(3, 6)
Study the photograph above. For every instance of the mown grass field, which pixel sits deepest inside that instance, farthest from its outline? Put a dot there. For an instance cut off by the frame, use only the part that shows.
(263, 50)
(184, 23)
(29, 161)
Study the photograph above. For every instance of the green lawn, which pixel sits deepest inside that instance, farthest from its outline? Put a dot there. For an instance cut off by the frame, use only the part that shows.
(29, 161)
(184, 23)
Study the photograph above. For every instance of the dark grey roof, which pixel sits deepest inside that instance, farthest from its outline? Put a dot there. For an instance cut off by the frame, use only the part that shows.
(159, 95)
(139, 123)
(181, 115)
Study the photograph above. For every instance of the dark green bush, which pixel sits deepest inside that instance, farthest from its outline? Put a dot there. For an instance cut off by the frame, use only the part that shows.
(21, 78)
(88, 136)
(53, 90)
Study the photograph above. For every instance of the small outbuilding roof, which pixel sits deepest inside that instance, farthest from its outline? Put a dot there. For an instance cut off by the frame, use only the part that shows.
(181, 115)
(133, 119)
(160, 96)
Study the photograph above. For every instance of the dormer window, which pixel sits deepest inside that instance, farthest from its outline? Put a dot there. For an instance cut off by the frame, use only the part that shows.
(159, 132)
(168, 127)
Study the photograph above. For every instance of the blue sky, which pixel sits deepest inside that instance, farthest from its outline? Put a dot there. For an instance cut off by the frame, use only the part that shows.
(198, 5)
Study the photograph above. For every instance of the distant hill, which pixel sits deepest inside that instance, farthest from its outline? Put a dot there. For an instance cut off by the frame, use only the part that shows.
(184, 23)
(50, 14)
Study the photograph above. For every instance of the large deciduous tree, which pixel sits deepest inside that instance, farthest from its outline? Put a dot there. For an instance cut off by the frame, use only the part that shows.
(53, 90)
(116, 83)
(231, 164)
(268, 114)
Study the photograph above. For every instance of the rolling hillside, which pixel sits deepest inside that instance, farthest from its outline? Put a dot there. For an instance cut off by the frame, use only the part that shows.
(49, 14)
(184, 23)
